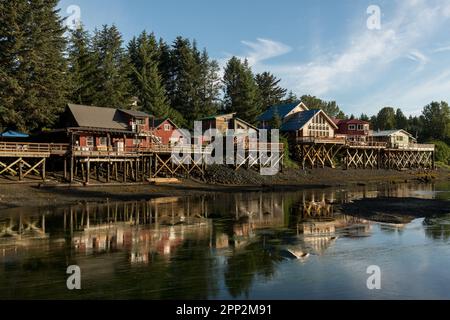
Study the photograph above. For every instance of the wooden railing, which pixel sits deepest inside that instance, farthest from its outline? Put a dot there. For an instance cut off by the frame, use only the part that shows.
(416, 146)
(374, 144)
(335, 140)
(25, 147)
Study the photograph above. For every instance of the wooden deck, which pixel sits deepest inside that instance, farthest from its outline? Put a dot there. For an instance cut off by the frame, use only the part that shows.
(32, 150)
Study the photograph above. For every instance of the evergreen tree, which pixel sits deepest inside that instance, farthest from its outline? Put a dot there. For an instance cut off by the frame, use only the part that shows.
(341, 115)
(364, 117)
(290, 98)
(33, 83)
(241, 91)
(415, 126)
(386, 119)
(209, 86)
(185, 79)
(436, 121)
(374, 122)
(145, 77)
(113, 68)
(165, 65)
(276, 121)
(401, 122)
(82, 68)
(330, 108)
(270, 91)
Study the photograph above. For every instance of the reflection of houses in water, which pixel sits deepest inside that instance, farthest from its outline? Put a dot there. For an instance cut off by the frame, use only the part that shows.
(143, 228)
(317, 235)
(405, 190)
(400, 190)
(320, 235)
(23, 227)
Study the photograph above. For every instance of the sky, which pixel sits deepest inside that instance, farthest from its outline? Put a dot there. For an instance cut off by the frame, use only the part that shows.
(364, 54)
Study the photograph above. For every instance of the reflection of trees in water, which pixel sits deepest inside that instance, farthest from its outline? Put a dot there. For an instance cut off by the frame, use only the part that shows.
(192, 272)
(437, 228)
(243, 266)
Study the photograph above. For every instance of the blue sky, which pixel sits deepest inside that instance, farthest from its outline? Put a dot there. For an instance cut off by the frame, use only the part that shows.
(323, 48)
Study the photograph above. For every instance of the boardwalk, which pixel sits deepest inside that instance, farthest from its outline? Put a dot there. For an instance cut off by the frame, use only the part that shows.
(326, 151)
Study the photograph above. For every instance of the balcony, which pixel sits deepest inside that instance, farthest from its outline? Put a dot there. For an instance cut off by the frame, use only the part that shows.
(415, 147)
(326, 140)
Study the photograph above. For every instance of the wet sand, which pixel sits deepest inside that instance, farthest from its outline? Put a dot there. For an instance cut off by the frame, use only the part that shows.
(33, 194)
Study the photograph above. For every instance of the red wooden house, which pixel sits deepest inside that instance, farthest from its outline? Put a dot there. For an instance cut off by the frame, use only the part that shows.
(106, 129)
(353, 129)
(166, 131)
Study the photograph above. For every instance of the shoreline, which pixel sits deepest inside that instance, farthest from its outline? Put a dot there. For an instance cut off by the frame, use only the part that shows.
(51, 195)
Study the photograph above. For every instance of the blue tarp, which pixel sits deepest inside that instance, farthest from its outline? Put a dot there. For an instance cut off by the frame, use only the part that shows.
(13, 134)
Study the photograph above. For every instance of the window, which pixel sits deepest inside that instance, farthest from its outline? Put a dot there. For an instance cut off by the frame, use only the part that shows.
(318, 127)
(352, 127)
(360, 127)
(167, 127)
(399, 138)
(103, 141)
(90, 141)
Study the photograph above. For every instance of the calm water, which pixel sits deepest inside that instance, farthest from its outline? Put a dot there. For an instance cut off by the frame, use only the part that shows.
(225, 246)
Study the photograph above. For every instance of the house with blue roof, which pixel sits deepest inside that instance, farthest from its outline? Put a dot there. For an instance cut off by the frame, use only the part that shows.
(298, 122)
(284, 111)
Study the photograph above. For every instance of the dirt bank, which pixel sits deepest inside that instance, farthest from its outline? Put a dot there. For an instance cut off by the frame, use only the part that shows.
(218, 179)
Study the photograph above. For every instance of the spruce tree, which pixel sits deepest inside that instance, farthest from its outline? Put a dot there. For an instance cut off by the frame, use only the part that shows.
(270, 91)
(33, 83)
(241, 91)
(209, 85)
(82, 68)
(185, 74)
(113, 69)
(290, 98)
(165, 65)
(145, 77)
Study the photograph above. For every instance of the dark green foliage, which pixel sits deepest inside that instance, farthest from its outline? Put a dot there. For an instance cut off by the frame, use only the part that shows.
(241, 91)
(364, 117)
(82, 68)
(192, 80)
(33, 82)
(401, 121)
(146, 81)
(436, 121)
(442, 152)
(276, 121)
(290, 98)
(329, 107)
(386, 119)
(112, 82)
(270, 92)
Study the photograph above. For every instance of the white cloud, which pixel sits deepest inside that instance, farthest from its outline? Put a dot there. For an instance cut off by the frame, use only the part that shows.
(442, 49)
(264, 49)
(367, 56)
(419, 57)
(412, 97)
